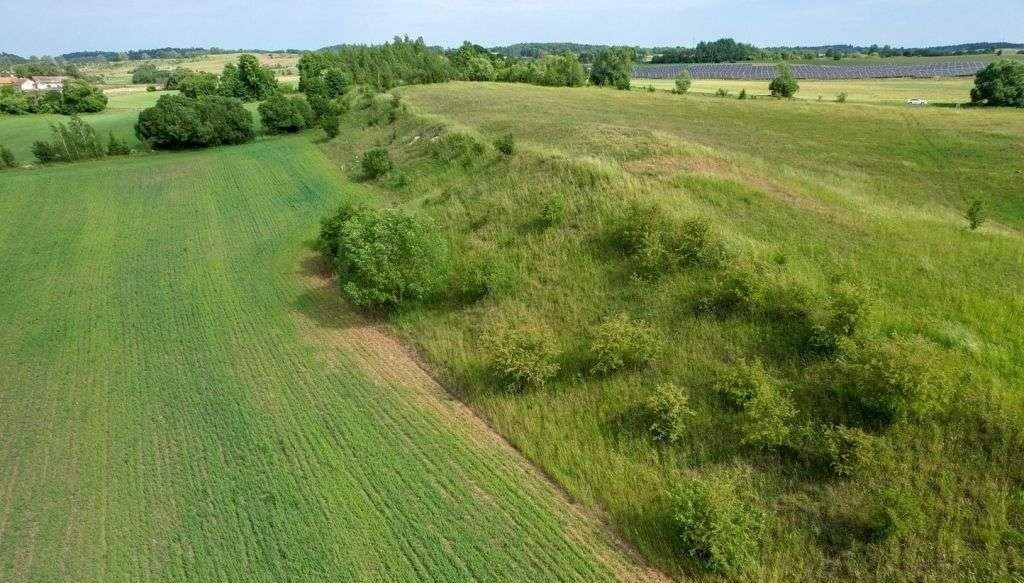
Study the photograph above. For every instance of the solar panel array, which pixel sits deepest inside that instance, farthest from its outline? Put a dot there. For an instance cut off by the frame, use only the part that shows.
(768, 71)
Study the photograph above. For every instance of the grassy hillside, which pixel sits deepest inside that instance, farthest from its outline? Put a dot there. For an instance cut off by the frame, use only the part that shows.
(821, 208)
(182, 398)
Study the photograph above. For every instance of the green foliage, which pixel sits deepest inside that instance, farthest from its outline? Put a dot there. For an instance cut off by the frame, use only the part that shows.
(553, 212)
(337, 82)
(975, 214)
(784, 85)
(400, 62)
(562, 70)
(683, 81)
(720, 520)
(659, 244)
(889, 380)
(73, 141)
(721, 93)
(846, 313)
(483, 276)
(282, 114)
(670, 413)
(522, 355)
(247, 81)
(506, 144)
(766, 412)
(458, 147)
(620, 343)
(331, 124)
(613, 67)
(743, 94)
(149, 74)
(384, 258)
(196, 84)
(80, 97)
(841, 97)
(1000, 83)
(179, 122)
(117, 147)
(376, 162)
(7, 158)
(740, 288)
(14, 102)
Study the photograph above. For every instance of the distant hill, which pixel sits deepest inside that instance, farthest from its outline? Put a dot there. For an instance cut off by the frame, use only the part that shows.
(7, 61)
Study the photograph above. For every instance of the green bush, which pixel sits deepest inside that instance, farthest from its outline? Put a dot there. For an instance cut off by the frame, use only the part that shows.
(683, 82)
(73, 141)
(785, 84)
(722, 92)
(458, 147)
(553, 212)
(1000, 83)
(613, 67)
(331, 125)
(743, 94)
(179, 122)
(282, 114)
(81, 97)
(741, 288)
(506, 144)
(484, 276)
(376, 163)
(766, 412)
(330, 230)
(841, 97)
(670, 413)
(975, 214)
(846, 313)
(386, 258)
(720, 520)
(521, 355)
(893, 379)
(620, 342)
(117, 147)
(7, 157)
(150, 88)
(659, 244)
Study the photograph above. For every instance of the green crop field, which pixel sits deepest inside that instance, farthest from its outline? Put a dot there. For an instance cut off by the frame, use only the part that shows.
(808, 199)
(183, 397)
(890, 91)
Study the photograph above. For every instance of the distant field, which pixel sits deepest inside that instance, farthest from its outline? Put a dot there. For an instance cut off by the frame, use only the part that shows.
(283, 64)
(183, 397)
(945, 90)
(18, 132)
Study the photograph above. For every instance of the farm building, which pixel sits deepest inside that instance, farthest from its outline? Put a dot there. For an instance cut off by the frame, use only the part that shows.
(18, 83)
(34, 83)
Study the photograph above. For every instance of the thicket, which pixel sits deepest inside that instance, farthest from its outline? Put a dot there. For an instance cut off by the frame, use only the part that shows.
(180, 122)
(281, 114)
(7, 158)
(1000, 83)
(613, 67)
(75, 140)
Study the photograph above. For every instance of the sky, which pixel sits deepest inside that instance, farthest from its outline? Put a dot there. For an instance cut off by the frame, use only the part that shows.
(58, 26)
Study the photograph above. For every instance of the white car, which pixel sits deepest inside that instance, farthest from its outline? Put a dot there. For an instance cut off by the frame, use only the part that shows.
(917, 101)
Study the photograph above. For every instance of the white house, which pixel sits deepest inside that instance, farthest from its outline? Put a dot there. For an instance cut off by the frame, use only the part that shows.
(18, 83)
(48, 83)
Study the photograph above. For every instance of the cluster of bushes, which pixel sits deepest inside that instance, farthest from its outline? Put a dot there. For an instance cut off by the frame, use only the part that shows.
(1000, 83)
(180, 122)
(76, 140)
(7, 158)
(76, 97)
(613, 67)
(400, 62)
(656, 243)
(282, 114)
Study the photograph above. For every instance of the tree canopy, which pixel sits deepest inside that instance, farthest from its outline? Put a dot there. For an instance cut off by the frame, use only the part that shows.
(1000, 83)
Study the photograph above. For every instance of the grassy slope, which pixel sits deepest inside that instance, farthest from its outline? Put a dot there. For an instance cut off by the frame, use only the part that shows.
(166, 414)
(949, 90)
(872, 193)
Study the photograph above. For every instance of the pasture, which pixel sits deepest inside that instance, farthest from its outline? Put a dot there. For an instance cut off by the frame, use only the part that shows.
(816, 194)
(120, 73)
(183, 396)
(892, 91)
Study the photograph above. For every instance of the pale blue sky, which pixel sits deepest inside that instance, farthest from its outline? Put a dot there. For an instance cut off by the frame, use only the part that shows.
(58, 26)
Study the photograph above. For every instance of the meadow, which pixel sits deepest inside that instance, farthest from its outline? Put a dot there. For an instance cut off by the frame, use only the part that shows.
(818, 196)
(184, 397)
(120, 73)
(888, 91)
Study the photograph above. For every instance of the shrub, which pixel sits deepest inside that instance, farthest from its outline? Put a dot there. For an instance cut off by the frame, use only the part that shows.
(659, 244)
(619, 342)
(890, 380)
(376, 163)
(846, 313)
(785, 84)
(117, 147)
(75, 140)
(282, 114)
(670, 412)
(80, 97)
(458, 146)
(150, 88)
(248, 80)
(722, 92)
(1000, 83)
(337, 82)
(975, 214)
(765, 410)
(521, 355)
(331, 125)
(683, 81)
(330, 230)
(743, 94)
(13, 102)
(180, 122)
(7, 157)
(386, 258)
(613, 66)
(720, 520)
(481, 277)
(740, 288)
(196, 84)
(505, 144)
(553, 211)
(841, 98)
